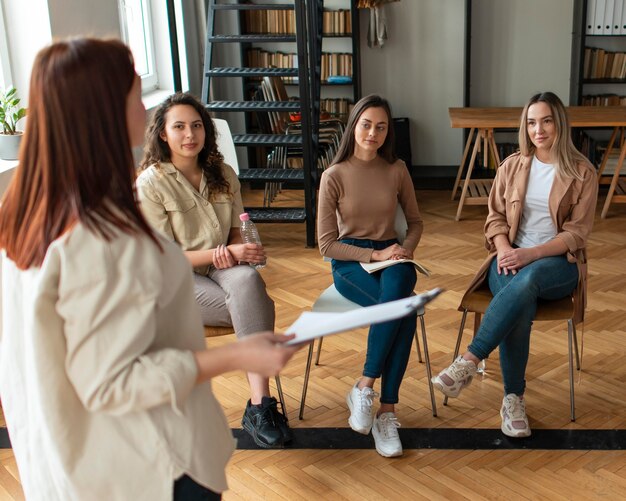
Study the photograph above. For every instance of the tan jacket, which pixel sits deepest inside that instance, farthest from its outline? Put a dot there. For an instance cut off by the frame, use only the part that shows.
(196, 220)
(572, 206)
(97, 373)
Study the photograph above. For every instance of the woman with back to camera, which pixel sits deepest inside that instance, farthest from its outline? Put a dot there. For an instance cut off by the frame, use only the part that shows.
(191, 196)
(541, 210)
(104, 373)
(359, 195)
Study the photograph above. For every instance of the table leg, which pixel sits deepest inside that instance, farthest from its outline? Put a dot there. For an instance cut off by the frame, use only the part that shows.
(609, 148)
(470, 168)
(618, 167)
(459, 173)
(494, 149)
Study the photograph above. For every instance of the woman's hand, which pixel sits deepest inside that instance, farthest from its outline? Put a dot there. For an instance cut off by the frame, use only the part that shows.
(222, 258)
(514, 259)
(248, 253)
(394, 251)
(266, 353)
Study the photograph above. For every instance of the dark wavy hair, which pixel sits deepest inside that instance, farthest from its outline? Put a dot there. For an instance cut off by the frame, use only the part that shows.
(346, 146)
(75, 162)
(156, 150)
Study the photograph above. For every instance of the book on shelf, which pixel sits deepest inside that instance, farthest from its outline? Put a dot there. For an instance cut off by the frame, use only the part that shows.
(334, 22)
(381, 265)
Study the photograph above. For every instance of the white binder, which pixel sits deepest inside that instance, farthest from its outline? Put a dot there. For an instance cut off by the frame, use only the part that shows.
(599, 17)
(607, 27)
(617, 17)
(591, 16)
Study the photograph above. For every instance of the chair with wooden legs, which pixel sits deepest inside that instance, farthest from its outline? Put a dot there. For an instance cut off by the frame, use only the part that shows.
(210, 332)
(560, 309)
(330, 301)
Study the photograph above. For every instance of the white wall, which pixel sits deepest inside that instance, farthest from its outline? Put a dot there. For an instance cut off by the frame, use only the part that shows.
(420, 71)
(28, 29)
(73, 17)
(519, 49)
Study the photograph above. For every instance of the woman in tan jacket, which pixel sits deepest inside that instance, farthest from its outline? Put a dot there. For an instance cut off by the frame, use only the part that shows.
(541, 210)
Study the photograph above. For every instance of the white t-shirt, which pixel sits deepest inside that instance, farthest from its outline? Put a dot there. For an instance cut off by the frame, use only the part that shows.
(536, 227)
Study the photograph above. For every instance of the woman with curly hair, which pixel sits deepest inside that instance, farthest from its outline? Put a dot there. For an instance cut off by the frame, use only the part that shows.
(190, 195)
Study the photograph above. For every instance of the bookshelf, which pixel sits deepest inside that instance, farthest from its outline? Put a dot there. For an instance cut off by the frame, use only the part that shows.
(339, 72)
(598, 75)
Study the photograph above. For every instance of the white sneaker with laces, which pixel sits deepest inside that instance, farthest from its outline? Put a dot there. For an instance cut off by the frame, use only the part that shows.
(360, 405)
(386, 437)
(457, 376)
(514, 419)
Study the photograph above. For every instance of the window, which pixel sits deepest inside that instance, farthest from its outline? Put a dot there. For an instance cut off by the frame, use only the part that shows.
(137, 33)
(5, 70)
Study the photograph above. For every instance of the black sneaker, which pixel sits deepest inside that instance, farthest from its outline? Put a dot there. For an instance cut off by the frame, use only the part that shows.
(258, 421)
(279, 418)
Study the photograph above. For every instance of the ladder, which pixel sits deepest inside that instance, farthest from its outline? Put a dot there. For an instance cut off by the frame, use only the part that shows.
(308, 15)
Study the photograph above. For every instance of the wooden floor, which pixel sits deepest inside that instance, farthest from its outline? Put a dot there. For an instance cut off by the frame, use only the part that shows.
(453, 251)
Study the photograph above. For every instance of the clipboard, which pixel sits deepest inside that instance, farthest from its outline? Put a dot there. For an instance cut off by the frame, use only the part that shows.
(311, 325)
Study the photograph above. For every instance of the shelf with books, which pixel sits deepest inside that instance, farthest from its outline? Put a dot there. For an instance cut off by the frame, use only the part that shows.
(598, 74)
(339, 50)
(598, 69)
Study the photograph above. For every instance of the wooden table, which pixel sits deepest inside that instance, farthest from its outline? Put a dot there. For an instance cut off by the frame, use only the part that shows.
(483, 121)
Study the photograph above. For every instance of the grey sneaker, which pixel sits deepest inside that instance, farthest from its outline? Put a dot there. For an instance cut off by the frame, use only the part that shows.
(360, 405)
(514, 419)
(457, 376)
(386, 438)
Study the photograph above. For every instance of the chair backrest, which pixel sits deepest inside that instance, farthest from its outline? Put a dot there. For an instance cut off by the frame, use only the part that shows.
(225, 143)
(400, 224)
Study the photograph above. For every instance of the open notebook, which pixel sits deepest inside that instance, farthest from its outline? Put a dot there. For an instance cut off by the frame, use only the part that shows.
(379, 265)
(311, 325)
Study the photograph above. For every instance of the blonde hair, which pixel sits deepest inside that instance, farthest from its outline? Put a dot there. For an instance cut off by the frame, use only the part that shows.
(563, 149)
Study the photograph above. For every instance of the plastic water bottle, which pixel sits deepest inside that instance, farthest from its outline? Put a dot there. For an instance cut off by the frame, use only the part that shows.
(250, 235)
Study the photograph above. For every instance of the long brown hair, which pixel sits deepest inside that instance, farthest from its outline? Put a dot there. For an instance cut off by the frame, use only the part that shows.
(157, 150)
(75, 163)
(563, 148)
(346, 146)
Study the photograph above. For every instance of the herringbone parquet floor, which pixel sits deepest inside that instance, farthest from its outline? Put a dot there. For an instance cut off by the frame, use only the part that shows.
(453, 251)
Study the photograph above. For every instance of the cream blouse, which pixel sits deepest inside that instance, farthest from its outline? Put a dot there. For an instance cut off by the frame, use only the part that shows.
(196, 220)
(97, 374)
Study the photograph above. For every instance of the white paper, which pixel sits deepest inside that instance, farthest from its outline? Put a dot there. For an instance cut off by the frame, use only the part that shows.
(311, 325)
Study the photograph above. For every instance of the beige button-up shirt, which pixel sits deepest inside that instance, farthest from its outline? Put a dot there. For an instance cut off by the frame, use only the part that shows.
(196, 220)
(97, 373)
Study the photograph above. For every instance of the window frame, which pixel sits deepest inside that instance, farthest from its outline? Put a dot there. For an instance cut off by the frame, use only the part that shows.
(6, 78)
(149, 81)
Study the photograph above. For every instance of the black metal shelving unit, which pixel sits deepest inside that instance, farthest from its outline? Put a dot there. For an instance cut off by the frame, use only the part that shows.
(305, 178)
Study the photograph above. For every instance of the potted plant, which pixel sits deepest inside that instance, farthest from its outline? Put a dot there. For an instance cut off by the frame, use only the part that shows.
(10, 114)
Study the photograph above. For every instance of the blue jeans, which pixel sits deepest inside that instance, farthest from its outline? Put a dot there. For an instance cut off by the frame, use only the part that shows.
(389, 343)
(509, 317)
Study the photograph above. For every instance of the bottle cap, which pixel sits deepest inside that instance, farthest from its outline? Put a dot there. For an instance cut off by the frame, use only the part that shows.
(244, 216)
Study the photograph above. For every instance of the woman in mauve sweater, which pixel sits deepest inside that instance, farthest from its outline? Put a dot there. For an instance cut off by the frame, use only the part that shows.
(359, 196)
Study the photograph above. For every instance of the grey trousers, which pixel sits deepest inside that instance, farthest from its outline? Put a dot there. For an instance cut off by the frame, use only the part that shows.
(235, 297)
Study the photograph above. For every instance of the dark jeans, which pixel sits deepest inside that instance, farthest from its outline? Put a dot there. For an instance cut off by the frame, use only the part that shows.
(186, 489)
(509, 317)
(389, 343)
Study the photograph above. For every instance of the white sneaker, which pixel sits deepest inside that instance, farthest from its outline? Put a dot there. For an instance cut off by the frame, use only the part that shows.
(457, 376)
(386, 438)
(514, 420)
(360, 405)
